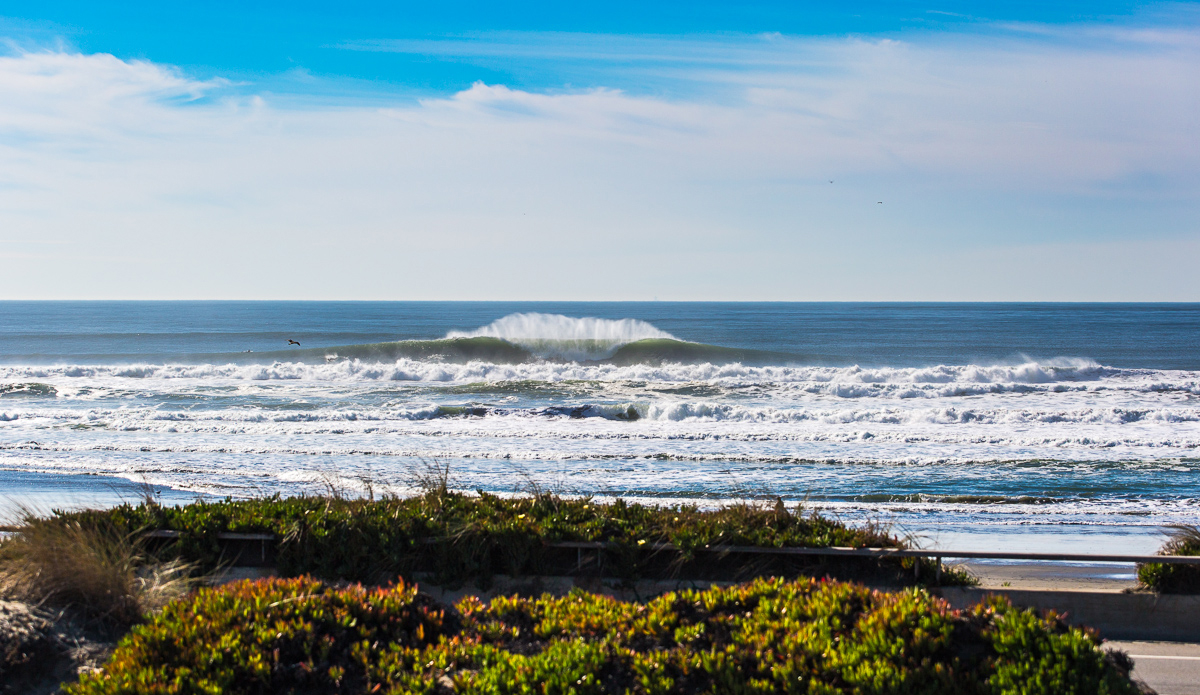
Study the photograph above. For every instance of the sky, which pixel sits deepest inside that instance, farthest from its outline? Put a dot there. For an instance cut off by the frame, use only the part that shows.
(963, 151)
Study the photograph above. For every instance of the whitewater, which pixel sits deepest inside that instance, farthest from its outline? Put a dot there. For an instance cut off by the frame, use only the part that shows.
(1073, 447)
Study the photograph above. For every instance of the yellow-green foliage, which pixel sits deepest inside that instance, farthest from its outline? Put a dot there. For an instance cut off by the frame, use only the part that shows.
(771, 636)
(460, 537)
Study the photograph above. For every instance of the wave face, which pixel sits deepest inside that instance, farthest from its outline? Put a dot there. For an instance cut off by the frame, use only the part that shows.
(623, 407)
(566, 338)
(477, 349)
(521, 338)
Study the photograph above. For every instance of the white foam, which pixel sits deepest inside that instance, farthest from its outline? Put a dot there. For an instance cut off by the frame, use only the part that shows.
(566, 337)
(991, 428)
(940, 381)
(268, 427)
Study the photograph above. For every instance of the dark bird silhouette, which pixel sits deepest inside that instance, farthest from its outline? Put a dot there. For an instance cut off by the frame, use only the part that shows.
(879, 202)
(292, 342)
(830, 180)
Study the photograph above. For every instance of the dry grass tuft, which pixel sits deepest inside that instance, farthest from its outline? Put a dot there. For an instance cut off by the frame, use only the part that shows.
(431, 476)
(1182, 540)
(101, 573)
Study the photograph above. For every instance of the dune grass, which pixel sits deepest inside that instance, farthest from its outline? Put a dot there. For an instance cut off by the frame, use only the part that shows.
(1174, 579)
(770, 636)
(96, 569)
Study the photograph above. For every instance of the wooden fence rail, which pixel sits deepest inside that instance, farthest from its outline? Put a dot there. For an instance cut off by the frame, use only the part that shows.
(833, 551)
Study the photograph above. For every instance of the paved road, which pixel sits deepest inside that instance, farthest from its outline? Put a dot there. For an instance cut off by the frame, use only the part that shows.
(1171, 668)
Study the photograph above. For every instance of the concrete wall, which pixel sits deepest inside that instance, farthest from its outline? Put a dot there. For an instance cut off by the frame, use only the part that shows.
(1134, 616)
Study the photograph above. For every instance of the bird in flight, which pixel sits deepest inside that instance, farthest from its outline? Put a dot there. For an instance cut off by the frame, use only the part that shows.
(292, 342)
(877, 202)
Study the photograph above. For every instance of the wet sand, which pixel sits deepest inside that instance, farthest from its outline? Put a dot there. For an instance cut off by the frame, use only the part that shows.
(1053, 576)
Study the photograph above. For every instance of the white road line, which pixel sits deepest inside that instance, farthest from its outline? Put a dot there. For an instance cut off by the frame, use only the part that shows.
(1159, 656)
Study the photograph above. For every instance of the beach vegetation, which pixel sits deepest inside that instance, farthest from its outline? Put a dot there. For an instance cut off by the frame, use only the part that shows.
(769, 636)
(453, 537)
(98, 570)
(1164, 578)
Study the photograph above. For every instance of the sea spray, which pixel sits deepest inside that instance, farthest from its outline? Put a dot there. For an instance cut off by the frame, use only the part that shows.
(565, 337)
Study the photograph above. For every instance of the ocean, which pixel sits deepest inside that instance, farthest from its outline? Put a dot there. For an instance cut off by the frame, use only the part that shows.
(967, 426)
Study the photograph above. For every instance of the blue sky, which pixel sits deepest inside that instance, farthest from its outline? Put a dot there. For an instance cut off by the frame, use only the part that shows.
(417, 48)
(866, 151)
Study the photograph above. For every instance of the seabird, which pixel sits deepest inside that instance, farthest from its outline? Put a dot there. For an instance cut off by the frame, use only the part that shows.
(292, 342)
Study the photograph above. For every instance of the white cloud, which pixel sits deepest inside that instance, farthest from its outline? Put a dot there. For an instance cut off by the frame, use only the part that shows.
(66, 99)
(152, 184)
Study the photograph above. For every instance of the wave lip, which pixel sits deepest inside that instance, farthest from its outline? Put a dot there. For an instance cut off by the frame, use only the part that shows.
(555, 336)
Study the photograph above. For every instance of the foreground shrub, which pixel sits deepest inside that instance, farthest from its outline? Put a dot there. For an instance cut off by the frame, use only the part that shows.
(459, 537)
(95, 568)
(770, 636)
(1174, 579)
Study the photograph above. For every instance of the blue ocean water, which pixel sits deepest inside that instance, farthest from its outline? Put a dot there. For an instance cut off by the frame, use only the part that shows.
(1155, 336)
(1076, 425)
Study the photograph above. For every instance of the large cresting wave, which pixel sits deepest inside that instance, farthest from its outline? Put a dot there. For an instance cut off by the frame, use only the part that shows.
(565, 337)
(530, 337)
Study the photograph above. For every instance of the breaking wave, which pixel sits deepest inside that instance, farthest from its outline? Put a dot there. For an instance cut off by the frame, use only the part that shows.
(1062, 376)
(514, 339)
(131, 418)
(564, 337)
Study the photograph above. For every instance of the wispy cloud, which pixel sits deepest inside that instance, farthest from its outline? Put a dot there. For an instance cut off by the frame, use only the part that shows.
(982, 148)
(742, 50)
(63, 100)
(770, 50)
